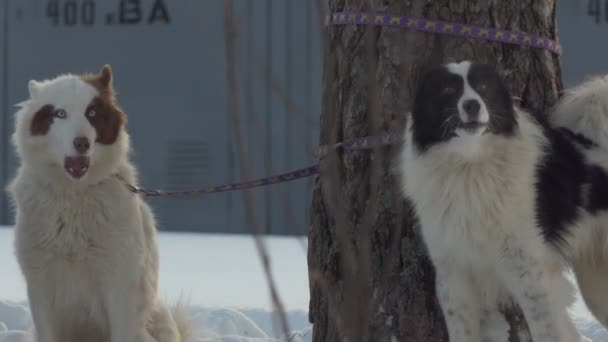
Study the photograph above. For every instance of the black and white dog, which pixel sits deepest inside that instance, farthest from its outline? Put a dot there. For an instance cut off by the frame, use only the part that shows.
(506, 204)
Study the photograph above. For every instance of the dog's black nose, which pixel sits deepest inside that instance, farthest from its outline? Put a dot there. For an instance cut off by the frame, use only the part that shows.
(471, 107)
(81, 144)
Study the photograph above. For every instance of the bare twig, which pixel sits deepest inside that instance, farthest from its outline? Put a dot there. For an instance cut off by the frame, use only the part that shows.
(230, 39)
(294, 335)
(272, 84)
(285, 202)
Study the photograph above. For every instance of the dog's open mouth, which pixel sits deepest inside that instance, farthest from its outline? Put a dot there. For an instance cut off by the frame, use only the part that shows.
(76, 166)
(474, 126)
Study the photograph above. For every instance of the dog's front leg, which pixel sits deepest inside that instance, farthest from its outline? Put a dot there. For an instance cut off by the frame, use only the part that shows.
(42, 315)
(122, 314)
(124, 307)
(526, 276)
(459, 303)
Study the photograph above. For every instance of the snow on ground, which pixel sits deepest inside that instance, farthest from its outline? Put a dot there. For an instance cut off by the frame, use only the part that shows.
(213, 270)
(215, 325)
(223, 278)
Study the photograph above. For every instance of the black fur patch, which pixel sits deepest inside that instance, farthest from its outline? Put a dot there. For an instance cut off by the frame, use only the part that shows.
(579, 138)
(435, 101)
(598, 190)
(560, 179)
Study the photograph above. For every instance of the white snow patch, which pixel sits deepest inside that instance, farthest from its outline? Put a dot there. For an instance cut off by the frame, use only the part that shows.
(212, 270)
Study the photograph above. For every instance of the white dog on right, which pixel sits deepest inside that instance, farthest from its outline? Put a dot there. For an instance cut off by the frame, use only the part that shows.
(85, 244)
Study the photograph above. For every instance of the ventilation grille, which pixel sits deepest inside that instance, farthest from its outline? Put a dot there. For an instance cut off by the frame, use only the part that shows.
(187, 163)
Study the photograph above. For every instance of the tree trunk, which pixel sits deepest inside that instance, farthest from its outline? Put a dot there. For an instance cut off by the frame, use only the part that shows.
(370, 278)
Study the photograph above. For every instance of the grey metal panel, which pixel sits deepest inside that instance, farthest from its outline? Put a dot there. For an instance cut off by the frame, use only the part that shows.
(582, 30)
(281, 26)
(285, 68)
(252, 95)
(304, 87)
(275, 107)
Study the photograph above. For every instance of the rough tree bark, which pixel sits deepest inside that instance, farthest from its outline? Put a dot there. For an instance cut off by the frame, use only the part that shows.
(370, 278)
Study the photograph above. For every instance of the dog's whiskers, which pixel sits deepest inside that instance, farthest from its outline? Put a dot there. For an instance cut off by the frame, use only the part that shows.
(450, 122)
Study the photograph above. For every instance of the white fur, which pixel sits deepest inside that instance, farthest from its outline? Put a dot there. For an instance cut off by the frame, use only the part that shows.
(87, 248)
(477, 215)
(584, 109)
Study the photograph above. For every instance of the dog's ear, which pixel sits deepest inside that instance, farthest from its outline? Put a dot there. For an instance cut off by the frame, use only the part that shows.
(422, 74)
(425, 69)
(34, 87)
(105, 76)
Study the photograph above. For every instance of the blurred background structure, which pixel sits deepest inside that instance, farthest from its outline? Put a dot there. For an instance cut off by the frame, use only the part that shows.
(169, 68)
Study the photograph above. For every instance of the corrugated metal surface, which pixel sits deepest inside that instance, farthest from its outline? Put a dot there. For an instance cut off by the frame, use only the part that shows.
(583, 27)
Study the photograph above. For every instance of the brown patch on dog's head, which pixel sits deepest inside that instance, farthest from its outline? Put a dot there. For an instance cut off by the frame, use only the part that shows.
(42, 120)
(108, 119)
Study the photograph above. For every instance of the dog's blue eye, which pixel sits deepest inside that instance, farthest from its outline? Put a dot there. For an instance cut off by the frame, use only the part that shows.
(60, 113)
(483, 87)
(91, 113)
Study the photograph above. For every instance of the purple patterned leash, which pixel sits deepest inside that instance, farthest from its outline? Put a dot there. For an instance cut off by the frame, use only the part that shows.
(442, 27)
(365, 143)
(281, 178)
(357, 144)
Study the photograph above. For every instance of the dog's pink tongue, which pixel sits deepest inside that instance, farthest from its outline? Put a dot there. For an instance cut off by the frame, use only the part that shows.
(76, 166)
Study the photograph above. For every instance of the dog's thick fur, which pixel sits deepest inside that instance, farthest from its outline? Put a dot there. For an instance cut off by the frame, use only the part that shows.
(85, 244)
(583, 110)
(505, 204)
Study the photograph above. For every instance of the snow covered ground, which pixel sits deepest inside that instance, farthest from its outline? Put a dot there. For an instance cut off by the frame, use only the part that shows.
(224, 280)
